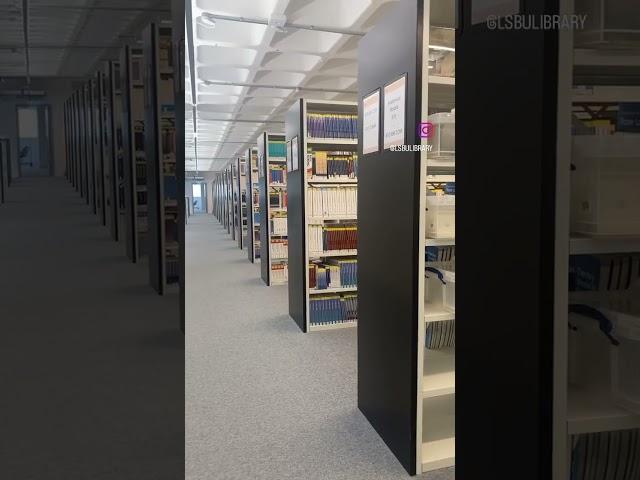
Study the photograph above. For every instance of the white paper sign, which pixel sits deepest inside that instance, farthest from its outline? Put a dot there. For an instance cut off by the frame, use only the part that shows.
(394, 112)
(294, 154)
(371, 123)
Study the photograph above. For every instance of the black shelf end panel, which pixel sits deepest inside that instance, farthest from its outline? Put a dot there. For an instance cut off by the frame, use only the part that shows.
(263, 179)
(388, 240)
(506, 110)
(298, 270)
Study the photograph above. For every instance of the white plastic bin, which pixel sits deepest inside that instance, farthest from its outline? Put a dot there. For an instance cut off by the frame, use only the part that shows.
(441, 291)
(441, 216)
(605, 198)
(625, 362)
(443, 139)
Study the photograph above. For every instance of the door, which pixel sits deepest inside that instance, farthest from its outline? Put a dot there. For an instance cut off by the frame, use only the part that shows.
(34, 140)
(199, 198)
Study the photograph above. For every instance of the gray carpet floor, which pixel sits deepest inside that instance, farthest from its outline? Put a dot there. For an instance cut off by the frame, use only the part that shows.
(92, 359)
(263, 400)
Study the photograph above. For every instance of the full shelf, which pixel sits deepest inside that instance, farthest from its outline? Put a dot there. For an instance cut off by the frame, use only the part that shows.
(353, 181)
(332, 326)
(590, 411)
(337, 253)
(332, 141)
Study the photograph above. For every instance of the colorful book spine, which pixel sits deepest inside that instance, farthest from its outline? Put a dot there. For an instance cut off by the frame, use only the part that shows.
(332, 125)
(333, 309)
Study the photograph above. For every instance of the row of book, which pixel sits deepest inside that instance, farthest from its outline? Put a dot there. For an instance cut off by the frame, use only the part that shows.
(277, 174)
(279, 225)
(606, 456)
(332, 164)
(603, 272)
(279, 273)
(324, 238)
(277, 149)
(333, 309)
(279, 249)
(332, 125)
(337, 201)
(440, 335)
(440, 254)
(333, 273)
(278, 198)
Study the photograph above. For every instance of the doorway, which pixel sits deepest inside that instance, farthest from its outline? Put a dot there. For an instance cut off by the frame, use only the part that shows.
(34, 140)
(199, 199)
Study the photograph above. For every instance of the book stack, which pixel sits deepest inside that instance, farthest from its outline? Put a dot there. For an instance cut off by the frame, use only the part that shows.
(603, 272)
(278, 199)
(277, 149)
(332, 125)
(333, 309)
(333, 164)
(606, 455)
(440, 254)
(332, 201)
(277, 174)
(279, 273)
(440, 335)
(336, 273)
(279, 249)
(325, 238)
(279, 226)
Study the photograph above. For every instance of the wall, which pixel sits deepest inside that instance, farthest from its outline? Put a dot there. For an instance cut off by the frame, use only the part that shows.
(208, 178)
(56, 92)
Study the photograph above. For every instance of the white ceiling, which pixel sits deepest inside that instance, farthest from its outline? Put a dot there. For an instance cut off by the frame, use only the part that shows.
(240, 57)
(68, 37)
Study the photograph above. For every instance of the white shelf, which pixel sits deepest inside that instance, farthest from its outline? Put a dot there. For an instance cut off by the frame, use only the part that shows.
(336, 253)
(594, 411)
(438, 433)
(435, 164)
(583, 244)
(332, 141)
(282, 282)
(442, 80)
(437, 313)
(314, 291)
(332, 326)
(277, 159)
(274, 209)
(439, 242)
(439, 374)
(278, 185)
(333, 180)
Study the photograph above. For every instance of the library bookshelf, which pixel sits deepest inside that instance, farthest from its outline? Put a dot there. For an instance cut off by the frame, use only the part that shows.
(253, 205)
(160, 153)
(273, 194)
(134, 158)
(241, 208)
(406, 217)
(322, 222)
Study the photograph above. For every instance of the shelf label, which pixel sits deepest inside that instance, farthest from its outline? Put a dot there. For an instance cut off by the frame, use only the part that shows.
(394, 112)
(371, 123)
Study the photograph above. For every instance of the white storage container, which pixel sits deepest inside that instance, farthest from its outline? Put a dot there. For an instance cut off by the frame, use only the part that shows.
(441, 289)
(605, 192)
(443, 139)
(625, 361)
(440, 219)
(608, 24)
